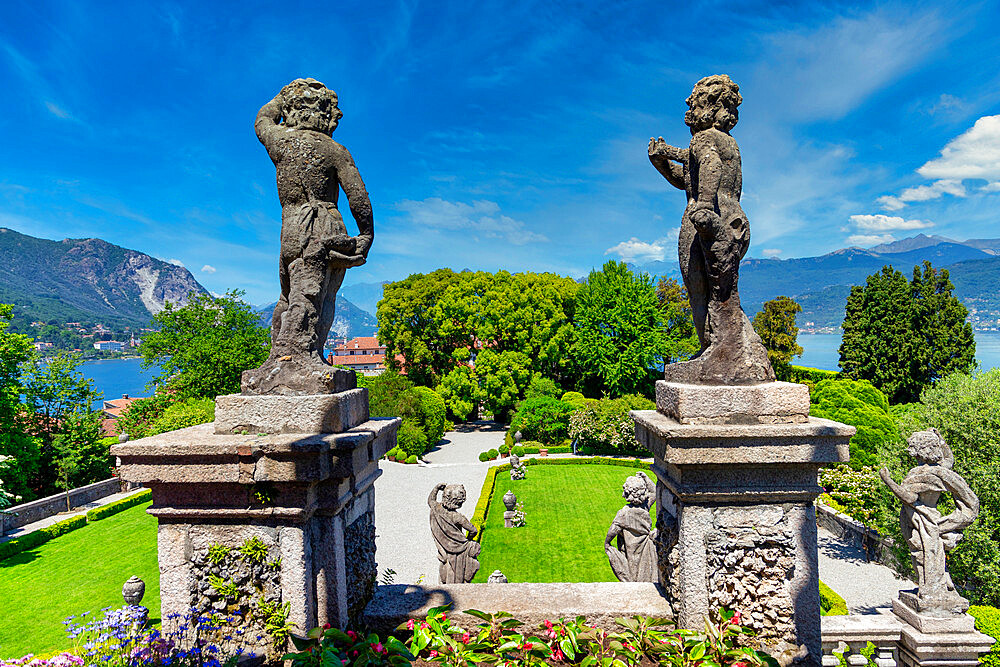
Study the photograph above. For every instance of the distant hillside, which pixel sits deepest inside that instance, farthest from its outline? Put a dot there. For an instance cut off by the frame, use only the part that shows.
(87, 280)
(364, 295)
(348, 322)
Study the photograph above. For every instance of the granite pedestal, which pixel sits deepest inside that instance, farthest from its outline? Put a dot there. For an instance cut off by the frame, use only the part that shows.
(304, 502)
(736, 470)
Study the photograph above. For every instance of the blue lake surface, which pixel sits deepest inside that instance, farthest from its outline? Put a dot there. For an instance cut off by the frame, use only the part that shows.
(822, 350)
(117, 377)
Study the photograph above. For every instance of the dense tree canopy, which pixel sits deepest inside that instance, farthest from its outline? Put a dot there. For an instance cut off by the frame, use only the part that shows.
(904, 336)
(620, 333)
(681, 337)
(775, 324)
(204, 346)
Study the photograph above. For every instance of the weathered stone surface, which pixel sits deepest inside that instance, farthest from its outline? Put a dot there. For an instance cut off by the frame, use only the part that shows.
(453, 534)
(714, 237)
(533, 604)
(316, 250)
(928, 623)
(766, 403)
(928, 534)
(317, 413)
(630, 543)
(948, 649)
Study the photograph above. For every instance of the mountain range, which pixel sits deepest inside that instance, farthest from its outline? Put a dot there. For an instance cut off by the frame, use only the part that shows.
(348, 321)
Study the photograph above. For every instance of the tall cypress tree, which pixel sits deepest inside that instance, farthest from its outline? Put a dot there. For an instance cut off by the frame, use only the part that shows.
(944, 338)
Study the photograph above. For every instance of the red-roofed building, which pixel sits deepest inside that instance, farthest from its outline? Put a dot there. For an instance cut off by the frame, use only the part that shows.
(111, 410)
(363, 354)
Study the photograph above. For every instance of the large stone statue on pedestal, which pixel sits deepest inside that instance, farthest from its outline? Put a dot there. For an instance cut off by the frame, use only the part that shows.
(453, 535)
(316, 249)
(928, 533)
(714, 237)
(631, 540)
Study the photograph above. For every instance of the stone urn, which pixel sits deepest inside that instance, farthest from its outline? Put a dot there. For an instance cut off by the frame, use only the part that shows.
(133, 590)
(509, 500)
(517, 438)
(497, 577)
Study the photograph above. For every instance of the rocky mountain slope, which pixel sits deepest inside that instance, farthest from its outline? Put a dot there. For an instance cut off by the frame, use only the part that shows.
(349, 320)
(87, 280)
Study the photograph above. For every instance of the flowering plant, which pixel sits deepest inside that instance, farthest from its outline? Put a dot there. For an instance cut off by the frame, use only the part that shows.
(61, 660)
(330, 647)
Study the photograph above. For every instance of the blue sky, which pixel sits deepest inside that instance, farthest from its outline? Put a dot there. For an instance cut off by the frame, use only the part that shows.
(496, 134)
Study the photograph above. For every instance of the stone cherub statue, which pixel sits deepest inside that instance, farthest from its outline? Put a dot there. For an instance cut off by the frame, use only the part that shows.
(456, 550)
(928, 533)
(714, 237)
(316, 250)
(631, 540)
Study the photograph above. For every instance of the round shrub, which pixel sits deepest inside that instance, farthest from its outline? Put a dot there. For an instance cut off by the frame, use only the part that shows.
(575, 399)
(411, 438)
(484, 456)
(544, 418)
(605, 427)
(862, 405)
(411, 459)
(191, 412)
(518, 450)
(505, 449)
(988, 622)
(493, 453)
(432, 414)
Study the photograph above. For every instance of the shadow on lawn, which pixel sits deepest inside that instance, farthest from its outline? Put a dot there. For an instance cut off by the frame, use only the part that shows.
(19, 559)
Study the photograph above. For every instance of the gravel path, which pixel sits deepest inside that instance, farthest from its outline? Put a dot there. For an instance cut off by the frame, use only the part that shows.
(865, 586)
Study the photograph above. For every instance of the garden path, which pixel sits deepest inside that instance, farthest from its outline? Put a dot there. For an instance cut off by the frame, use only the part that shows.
(82, 509)
(865, 586)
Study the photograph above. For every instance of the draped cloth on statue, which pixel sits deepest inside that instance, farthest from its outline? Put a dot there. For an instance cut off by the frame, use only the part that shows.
(634, 559)
(456, 552)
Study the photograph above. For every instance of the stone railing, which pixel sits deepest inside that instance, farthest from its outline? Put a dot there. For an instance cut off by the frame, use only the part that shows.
(850, 635)
(43, 508)
(853, 533)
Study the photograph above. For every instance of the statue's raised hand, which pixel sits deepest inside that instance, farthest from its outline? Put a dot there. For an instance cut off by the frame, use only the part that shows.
(660, 151)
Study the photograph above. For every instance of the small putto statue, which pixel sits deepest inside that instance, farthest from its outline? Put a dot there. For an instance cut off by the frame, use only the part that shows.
(631, 540)
(516, 468)
(453, 534)
(928, 533)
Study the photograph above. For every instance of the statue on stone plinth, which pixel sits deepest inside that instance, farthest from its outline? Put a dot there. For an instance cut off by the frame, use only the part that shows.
(714, 237)
(516, 468)
(457, 551)
(316, 250)
(631, 540)
(928, 533)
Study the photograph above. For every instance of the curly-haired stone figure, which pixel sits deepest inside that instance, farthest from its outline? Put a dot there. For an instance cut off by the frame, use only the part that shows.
(316, 250)
(456, 551)
(928, 533)
(631, 540)
(714, 237)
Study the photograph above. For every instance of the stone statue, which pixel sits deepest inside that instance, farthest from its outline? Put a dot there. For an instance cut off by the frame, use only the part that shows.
(316, 250)
(516, 468)
(928, 533)
(456, 550)
(631, 540)
(714, 237)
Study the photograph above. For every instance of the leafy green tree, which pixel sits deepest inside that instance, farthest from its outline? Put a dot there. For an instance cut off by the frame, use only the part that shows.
(542, 386)
(204, 346)
(460, 391)
(81, 446)
(860, 404)
(775, 324)
(904, 336)
(620, 336)
(502, 379)
(7, 498)
(22, 451)
(605, 427)
(682, 339)
(543, 419)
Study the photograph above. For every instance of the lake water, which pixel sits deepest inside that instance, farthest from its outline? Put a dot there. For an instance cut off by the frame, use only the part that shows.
(117, 377)
(822, 350)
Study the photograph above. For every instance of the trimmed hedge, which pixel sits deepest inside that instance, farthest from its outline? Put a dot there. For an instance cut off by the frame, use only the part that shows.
(110, 509)
(41, 536)
(810, 376)
(483, 504)
(432, 414)
(862, 405)
(988, 622)
(830, 602)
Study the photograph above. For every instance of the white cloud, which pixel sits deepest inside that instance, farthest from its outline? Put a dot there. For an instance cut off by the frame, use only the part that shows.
(175, 262)
(208, 268)
(770, 252)
(973, 154)
(869, 239)
(883, 223)
(994, 186)
(481, 217)
(635, 250)
(57, 110)
(923, 193)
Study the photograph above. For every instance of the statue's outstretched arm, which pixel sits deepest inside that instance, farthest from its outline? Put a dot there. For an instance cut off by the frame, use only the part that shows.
(907, 497)
(357, 199)
(267, 122)
(669, 161)
(432, 499)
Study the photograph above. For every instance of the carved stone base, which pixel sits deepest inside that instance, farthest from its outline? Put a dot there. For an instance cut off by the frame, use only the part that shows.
(319, 413)
(305, 501)
(735, 518)
(905, 607)
(766, 403)
(297, 376)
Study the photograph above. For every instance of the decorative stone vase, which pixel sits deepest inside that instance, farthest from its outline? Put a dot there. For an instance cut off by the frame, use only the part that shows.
(517, 437)
(133, 590)
(509, 500)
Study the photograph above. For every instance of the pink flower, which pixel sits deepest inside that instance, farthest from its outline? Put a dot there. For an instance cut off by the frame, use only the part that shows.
(379, 648)
(444, 617)
(409, 624)
(527, 646)
(353, 635)
(434, 654)
(551, 634)
(558, 655)
(326, 626)
(735, 620)
(423, 625)
(465, 638)
(548, 625)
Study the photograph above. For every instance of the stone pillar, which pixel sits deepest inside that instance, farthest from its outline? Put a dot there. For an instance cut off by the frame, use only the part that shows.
(737, 471)
(938, 640)
(269, 508)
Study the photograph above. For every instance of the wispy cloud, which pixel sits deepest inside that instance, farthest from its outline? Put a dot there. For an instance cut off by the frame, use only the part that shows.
(770, 252)
(866, 240)
(884, 223)
(481, 217)
(208, 268)
(635, 250)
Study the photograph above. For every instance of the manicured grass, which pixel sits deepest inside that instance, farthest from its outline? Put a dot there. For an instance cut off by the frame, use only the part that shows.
(80, 571)
(569, 509)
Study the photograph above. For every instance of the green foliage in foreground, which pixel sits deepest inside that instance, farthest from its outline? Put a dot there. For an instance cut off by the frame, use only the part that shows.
(96, 559)
(988, 622)
(830, 602)
(162, 413)
(858, 403)
(559, 543)
(104, 511)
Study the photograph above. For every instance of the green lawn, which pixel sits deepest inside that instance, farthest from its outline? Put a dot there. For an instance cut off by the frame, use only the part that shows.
(568, 509)
(80, 571)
